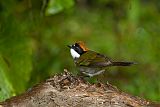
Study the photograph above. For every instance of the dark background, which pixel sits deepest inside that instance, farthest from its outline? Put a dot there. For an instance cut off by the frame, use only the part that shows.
(34, 35)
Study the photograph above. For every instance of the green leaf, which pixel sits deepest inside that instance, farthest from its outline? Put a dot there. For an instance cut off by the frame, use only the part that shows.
(16, 51)
(56, 6)
(6, 88)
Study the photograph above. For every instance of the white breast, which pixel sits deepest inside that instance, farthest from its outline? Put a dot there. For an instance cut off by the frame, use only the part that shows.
(74, 53)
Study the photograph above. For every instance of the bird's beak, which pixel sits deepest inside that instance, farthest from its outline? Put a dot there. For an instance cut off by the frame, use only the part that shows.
(70, 46)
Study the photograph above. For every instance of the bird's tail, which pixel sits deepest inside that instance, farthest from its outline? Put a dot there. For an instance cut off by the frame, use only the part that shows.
(122, 63)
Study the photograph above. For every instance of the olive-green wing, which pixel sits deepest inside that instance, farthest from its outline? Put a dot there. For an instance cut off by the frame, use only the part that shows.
(93, 59)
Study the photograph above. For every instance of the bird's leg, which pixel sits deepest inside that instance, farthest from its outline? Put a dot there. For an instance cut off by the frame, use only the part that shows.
(100, 76)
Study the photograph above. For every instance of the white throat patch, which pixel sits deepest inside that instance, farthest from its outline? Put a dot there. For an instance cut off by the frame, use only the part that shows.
(74, 53)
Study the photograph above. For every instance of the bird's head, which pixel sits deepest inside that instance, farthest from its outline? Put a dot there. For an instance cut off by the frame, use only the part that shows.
(77, 49)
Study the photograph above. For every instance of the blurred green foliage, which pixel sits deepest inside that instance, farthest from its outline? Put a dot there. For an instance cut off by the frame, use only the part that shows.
(34, 35)
(56, 6)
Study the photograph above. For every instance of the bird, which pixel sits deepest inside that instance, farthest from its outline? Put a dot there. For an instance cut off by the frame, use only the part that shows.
(92, 63)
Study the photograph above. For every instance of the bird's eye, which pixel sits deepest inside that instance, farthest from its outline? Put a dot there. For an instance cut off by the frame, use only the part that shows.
(76, 44)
